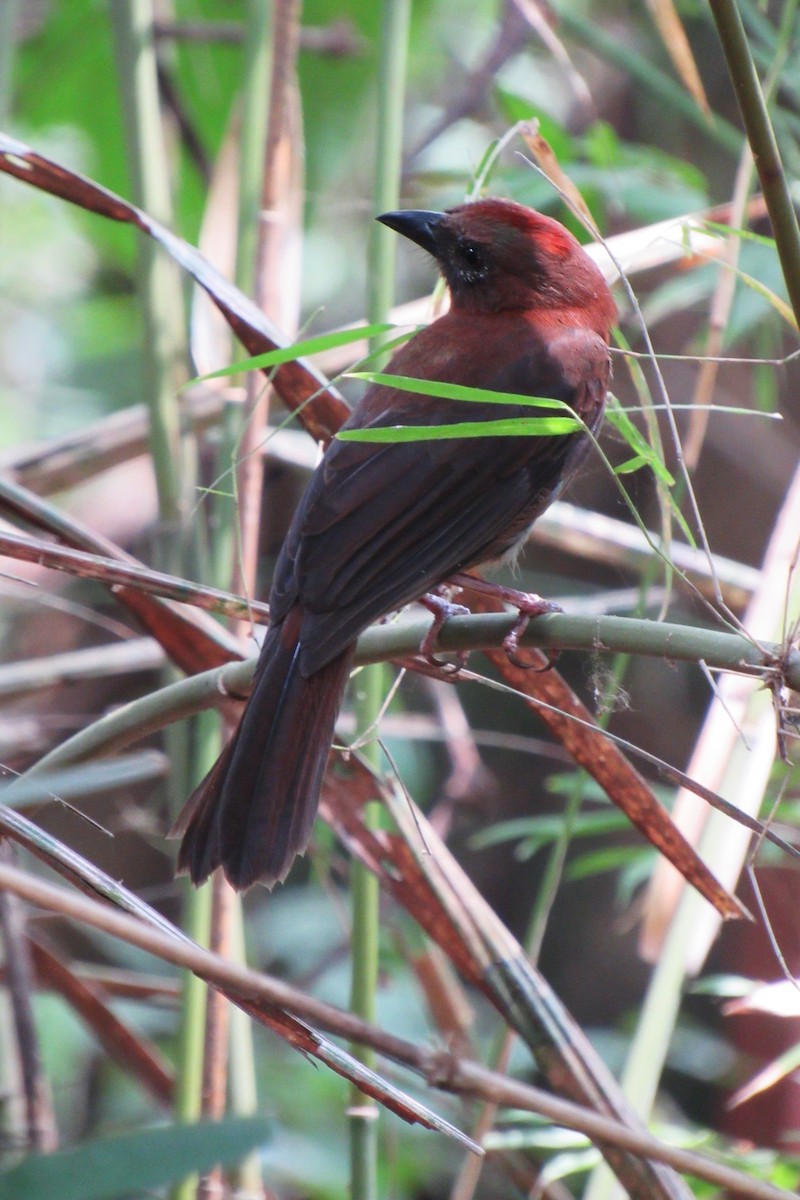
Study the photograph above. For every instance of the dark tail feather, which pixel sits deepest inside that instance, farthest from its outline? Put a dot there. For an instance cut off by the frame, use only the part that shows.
(253, 812)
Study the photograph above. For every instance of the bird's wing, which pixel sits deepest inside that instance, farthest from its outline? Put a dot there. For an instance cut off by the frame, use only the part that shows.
(381, 524)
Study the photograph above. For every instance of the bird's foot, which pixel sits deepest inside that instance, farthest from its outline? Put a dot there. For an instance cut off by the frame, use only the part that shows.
(528, 606)
(442, 609)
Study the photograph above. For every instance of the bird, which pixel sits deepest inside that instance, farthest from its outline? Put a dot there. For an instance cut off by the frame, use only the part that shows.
(380, 525)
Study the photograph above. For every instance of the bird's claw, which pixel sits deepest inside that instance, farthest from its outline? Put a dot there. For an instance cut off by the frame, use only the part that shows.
(442, 610)
(528, 606)
(524, 664)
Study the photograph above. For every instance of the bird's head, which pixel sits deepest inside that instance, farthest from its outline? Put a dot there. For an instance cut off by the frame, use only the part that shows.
(498, 256)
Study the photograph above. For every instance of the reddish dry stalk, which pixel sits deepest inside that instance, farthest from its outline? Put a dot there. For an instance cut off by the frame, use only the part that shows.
(40, 1132)
(278, 174)
(134, 1053)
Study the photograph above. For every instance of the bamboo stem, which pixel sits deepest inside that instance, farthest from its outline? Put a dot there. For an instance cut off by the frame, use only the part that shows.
(392, 59)
(763, 143)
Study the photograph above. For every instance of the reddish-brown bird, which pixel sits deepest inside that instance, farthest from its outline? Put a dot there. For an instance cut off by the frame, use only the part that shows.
(380, 525)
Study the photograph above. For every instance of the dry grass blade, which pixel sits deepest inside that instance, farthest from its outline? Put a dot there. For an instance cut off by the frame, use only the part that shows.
(539, 17)
(608, 766)
(545, 156)
(133, 1053)
(719, 316)
(676, 43)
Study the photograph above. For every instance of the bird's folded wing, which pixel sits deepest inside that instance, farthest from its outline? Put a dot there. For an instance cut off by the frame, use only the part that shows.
(443, 506)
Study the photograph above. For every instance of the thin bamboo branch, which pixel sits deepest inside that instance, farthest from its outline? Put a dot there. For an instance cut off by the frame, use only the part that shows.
(720, 650)
(74, 666)
(114, 573)
(365, 892)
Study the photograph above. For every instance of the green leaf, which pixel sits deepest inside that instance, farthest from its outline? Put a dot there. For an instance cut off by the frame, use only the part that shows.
(780, 306)
(609, 858)
(315, 345)
(455, 391)
(132, 1162)
(745, 235)
(683, 525)
(538, 831)
(511, 427)
(484, 167)
(617, 416)
(631, 465)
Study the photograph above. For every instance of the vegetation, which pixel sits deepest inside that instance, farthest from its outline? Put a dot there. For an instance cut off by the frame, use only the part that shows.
(148, 473)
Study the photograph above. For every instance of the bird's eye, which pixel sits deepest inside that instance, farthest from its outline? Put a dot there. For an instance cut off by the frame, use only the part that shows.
(466, 264)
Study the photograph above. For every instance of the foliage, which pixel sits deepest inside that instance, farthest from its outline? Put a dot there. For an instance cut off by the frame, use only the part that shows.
(78, 346)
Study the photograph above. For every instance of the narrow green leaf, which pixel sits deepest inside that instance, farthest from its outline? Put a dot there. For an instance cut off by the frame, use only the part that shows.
(315, 345)
(598, 862)
(783, 309)
(132, 1162)
(455, 391)
(746, 235)
(631, 465)
(733, 410)
(618, 417)
(684, 526)
(512, 427)
(485, 165)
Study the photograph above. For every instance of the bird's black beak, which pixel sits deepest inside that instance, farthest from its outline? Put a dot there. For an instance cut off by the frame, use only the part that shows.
(418, 225)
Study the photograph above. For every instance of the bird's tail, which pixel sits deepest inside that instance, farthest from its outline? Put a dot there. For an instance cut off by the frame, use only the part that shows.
(253, 812)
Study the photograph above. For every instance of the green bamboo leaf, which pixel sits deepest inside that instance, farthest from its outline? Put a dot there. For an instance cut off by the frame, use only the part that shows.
(610, 858)
(618, 417)
(133, 1162)
(512, 427)
(783, 309)
(455, 391)
(731, 410)
(684, 526)
(484, 167)
(315, 345)
(532, 832)
(631, 465)
(746, 235)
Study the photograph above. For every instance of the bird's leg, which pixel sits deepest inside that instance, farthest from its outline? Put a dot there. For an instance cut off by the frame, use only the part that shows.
(528, 606)
(443, 609)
